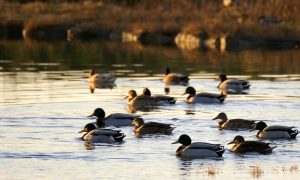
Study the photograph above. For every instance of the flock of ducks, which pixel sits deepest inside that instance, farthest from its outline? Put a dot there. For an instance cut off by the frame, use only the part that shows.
(96, 132)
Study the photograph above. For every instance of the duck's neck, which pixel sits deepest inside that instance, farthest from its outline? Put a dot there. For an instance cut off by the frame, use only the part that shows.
(178, 151)
(100, 122)
(82, 137)
(222, 122)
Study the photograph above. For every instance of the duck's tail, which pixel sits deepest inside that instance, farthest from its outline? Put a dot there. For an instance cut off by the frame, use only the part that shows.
(294, 133)
(222, 97)
(220, 151)
(119, 137)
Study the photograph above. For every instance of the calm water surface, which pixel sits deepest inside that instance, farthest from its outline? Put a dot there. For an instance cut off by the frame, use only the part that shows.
(45, 101)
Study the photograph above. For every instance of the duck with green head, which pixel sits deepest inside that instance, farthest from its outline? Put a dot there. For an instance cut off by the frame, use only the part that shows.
(175, 78)
(115, 119)
(242, 146)
(203, 97)
(97, 135)
(234, 124)
(275, 132)
(197, 149)
(162, 98)
(232, 86)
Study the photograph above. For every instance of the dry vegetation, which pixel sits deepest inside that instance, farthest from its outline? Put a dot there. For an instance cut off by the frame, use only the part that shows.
(243, 19)
(256, 171)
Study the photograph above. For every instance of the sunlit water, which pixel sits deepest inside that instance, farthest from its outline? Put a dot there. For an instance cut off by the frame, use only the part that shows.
(42, 112)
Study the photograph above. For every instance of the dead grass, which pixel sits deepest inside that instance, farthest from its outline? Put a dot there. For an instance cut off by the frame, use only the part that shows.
(212, 171)
(256, 171)
(167, 15)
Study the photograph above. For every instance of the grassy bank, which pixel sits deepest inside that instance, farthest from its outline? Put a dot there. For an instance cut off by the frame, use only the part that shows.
(252, 19)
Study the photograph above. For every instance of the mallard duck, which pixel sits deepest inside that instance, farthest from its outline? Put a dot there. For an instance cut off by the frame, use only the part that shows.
(142, 128)
(274, 132)
(162, 99)
(103, 80)
(233, 124)
(242, 146)
(197, 149)
(203, 97)
(95, 135)
(115, 119)
(232, 86)
(134, 100)
(175, 78)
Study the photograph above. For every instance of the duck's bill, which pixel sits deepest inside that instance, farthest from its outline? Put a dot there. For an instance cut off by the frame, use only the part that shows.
(183, 94)
(232, 142)
(83, 130)
(253, 129)
(215, 118)
(92, 115)
(125, 97)
(176, 142)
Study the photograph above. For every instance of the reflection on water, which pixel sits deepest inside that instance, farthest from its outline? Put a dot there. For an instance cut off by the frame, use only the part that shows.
(45, 98)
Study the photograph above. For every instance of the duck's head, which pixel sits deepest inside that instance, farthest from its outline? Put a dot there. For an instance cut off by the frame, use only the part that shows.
(146, 92)
(259, 126)
(222, 116)
(190, 90)
(88, 127)
(222, 77)
(237, 140)
(184, 140)
(131, 94)
(137, 122)
(98, 112)
(167, 71)
(92, 72)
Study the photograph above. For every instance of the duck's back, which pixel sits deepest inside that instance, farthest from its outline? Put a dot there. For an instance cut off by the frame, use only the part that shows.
(238, 124)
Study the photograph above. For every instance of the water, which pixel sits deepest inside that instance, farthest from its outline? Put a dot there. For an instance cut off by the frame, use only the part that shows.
(45, 101)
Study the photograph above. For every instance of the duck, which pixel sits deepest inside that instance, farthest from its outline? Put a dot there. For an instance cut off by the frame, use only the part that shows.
(197, 149)
(142, 128)
(242, 146)
(203, 97)
(175, 78)
(115, 119)
(162, 98)
(99, 135)
(234, 124)
(232, 86)
(142, 100)
(275, 132)
(103, 80)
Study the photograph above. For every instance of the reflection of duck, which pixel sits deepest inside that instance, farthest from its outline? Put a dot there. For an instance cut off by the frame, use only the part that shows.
(274, 132)
(115, 119)
(242, 146)
(175, 78)
(103, 80)
(162, 99)
(232, 86)
(203, 97)
(197, 149)
(233, 124)
(95, 135)
(142, 128)
(134, 100)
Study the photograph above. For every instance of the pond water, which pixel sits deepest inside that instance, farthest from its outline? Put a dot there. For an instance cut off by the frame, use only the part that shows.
(45, 101)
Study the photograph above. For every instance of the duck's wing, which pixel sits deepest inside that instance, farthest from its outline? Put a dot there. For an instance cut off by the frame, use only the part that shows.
(203, 145)
(278, 128)
(239, 123)
(109, 132)
(210, 95)
(157, 125)
(122, 116)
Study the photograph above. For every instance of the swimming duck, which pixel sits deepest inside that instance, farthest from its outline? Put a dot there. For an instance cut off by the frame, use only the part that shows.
(232, 86)
(242, 146)
(115, 119)
(175, 78)
(142, 128)
(233, 124)
(274, 132)
(197, 149)
(163, 99)
(134, 100)
(103, 80)
(95, 135)
(203, 97)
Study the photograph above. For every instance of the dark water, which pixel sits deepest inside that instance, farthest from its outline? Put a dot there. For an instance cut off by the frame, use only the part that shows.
(45, 101)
